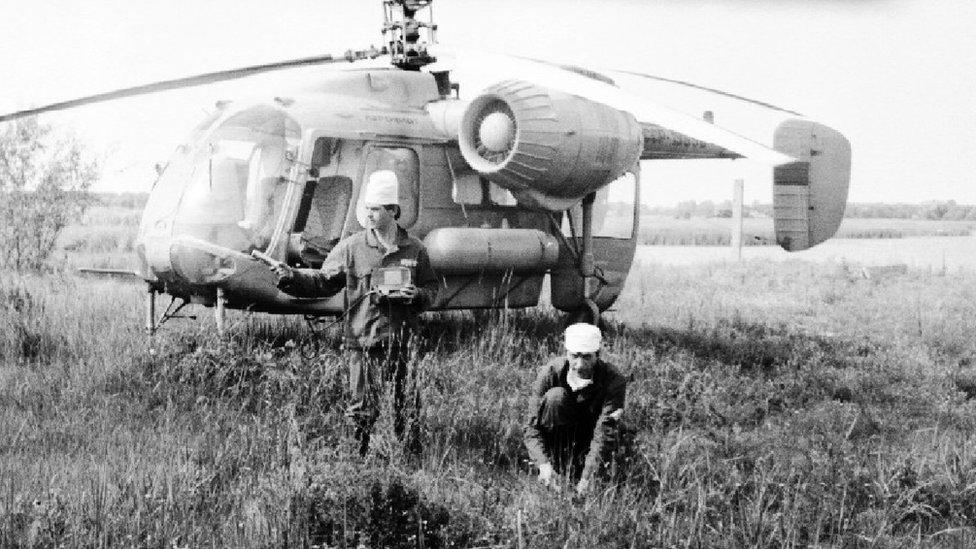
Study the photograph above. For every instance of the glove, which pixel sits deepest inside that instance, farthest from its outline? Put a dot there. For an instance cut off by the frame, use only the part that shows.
(582, 487)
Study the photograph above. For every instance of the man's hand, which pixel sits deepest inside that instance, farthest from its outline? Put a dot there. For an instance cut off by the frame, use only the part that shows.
(409, 292)
(283, 271)
(546, 474)
(279, 268)
(582, 487)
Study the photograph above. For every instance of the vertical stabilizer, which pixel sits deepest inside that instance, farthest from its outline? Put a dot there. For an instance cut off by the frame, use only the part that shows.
(809, 195)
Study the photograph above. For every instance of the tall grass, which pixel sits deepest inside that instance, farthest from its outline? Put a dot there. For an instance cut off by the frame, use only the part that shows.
(770, 405)
(105, 238)
(786, 405)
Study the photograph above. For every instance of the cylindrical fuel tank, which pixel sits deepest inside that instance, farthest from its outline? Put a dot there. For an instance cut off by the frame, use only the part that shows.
(463, 250)
(547, 147)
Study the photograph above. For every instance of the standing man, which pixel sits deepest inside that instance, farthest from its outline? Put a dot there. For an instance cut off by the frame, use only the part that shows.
(576, 402)
(381, 315)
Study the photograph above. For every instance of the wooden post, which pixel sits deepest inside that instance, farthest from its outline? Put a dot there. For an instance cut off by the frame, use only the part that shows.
(737, 219)
(219, 311)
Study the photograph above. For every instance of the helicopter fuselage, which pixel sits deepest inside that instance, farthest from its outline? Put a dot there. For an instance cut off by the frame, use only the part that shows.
(284, 176)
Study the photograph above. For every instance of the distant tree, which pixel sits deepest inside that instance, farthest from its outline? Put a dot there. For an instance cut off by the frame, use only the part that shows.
(685, 209)
(44, 185)
(937, 209)
(956, 212)
(705, 208)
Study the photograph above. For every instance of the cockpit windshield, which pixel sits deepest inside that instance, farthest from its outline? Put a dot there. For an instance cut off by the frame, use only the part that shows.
(226, 188)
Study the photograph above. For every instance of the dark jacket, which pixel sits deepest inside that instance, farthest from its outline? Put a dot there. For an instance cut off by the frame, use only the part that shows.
(594, 404)
(371, 320)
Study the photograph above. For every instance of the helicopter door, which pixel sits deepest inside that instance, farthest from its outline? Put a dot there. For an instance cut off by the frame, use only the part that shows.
(615, 220)
(325, 203)
(322, 217)
(324, 207)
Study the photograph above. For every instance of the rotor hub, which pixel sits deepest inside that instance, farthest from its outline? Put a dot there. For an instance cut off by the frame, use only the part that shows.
(405, 33)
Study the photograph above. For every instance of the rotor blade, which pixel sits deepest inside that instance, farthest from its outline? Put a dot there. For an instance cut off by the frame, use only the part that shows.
(583, 83)
(606, 75)
(188, 82)
(707, 89)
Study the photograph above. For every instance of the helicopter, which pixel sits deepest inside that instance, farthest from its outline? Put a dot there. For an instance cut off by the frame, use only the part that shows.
(535, 174)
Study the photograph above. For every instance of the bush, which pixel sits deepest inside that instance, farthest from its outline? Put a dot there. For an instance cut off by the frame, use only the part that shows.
(44, 187)
(23, 333)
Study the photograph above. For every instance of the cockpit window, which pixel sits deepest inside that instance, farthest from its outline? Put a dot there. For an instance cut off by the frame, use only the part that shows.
(230, 185)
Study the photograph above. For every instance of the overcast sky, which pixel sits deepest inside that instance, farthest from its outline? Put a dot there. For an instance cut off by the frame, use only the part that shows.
(895, 76)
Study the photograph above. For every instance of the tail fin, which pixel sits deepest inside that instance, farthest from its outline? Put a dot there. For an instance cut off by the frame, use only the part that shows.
(809, 195)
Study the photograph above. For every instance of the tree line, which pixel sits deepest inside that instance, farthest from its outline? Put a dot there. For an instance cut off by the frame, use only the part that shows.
(947, 210)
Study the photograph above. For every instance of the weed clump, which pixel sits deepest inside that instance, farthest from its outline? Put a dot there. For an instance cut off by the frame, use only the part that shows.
(374, 509)
(25, 334)
(251, 377)
(35, 522)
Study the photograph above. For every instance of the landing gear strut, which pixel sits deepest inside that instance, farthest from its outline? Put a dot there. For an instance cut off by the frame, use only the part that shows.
(587, 265)
(152, 325)
(150, 310)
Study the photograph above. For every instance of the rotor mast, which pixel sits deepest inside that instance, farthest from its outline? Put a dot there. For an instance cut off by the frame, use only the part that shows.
(403, 33)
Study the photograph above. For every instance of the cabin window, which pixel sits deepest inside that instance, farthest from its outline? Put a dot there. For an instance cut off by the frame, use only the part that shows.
(403, 162)
(475, 190)
(323, 151)
(613, 211)
(468, 189)
(500, 196)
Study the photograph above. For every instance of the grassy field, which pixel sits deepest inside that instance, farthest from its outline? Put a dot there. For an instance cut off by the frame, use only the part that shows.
(104, 239)
(661, 230)
(771, 405)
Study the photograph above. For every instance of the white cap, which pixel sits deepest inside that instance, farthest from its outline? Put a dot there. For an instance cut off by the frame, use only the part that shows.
(382, 189)
(583, 338)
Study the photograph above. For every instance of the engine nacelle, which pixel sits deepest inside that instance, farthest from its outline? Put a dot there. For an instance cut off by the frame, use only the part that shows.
(549, 148)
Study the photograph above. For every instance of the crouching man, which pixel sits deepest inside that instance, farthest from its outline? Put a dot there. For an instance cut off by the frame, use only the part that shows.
(575, 406)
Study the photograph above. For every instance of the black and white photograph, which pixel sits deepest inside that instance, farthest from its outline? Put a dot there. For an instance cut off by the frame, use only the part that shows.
(457, 273)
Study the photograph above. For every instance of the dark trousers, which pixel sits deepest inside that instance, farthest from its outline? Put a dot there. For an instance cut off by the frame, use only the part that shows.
(566, 430)
(370, 370)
